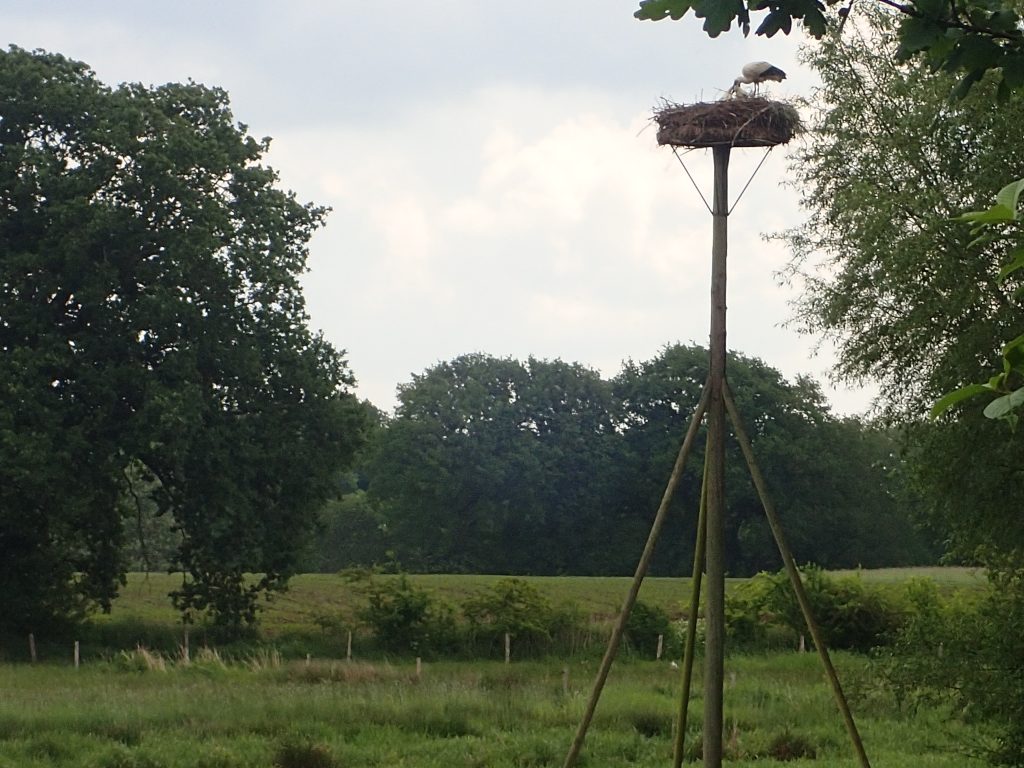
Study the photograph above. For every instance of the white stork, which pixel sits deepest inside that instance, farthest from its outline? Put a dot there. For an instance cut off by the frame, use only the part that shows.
(756, 72)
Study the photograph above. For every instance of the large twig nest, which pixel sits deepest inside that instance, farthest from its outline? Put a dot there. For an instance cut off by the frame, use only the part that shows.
(741, 122)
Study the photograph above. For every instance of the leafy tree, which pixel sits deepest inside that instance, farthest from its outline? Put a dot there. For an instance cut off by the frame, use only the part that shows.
(504, 463)
(918, 300)
(971, 37)
(1005, 217)
(354, 534)
(544, 468)
(831, 480)
(914, 299)
(152, 323)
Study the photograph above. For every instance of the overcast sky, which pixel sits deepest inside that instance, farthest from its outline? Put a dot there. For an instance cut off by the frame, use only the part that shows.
(495, 181)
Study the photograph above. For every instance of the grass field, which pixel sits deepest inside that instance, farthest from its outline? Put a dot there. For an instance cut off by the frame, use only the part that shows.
(137, 712)
(312, 596)
(268, 705)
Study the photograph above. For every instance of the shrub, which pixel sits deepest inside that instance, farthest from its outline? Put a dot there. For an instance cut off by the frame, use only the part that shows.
(746, 622)
(969, 656)
(406, 619)
(643, 626)
(850, 614)
(515, 607)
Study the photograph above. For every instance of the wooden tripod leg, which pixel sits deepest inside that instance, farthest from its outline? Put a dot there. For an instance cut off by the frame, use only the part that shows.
(794, 577)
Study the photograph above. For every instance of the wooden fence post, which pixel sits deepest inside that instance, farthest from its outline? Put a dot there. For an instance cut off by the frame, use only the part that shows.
(77, 656)
(508, 648)
(661, 647)
(32, 646)
(348, 653)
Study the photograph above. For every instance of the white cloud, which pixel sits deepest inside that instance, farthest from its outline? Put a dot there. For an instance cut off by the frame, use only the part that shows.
(495, 183)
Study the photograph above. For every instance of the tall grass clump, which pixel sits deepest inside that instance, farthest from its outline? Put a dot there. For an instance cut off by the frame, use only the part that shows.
(302, 755)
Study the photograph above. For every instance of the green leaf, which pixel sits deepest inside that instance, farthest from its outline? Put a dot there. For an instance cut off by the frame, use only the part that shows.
(1016, 262)
(1016, 398)
(965, 84)
(718, 15)
(1013, 352)
(974, 52)
(955, 397)
(1013, 69)
(1003, 406)
(1009, 196)
(931, 8)
(997, 214)
(656, 10)
(815, 23)
(1005, 20)
(776, 21)
(918, 34)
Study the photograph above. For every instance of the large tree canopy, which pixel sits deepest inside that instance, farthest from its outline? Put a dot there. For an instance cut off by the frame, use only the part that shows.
(542, 467)
(913, 298)
(504, 463)
(152, 329)
(831, 479)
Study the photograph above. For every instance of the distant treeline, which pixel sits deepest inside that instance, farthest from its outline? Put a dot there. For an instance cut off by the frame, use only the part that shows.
(495, 465)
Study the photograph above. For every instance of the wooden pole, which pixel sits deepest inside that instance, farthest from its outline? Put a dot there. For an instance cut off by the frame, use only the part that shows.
(714, 614)
(77, 656)
(638, 578)
(348, 652)
(32, 646)
(508, 648)
(794, 578)
(660, 648)
(691, 625)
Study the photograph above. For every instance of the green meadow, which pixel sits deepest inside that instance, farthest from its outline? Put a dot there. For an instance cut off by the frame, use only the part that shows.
(288, 698)
(142, 711)
(312, 598)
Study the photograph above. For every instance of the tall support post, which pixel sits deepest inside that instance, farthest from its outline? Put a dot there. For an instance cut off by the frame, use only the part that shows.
(714, 654)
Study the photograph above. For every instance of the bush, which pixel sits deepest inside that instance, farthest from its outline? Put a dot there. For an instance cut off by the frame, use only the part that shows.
(406, 619)
(746, 621)
(516, 607)
(643, 626)
(511, 606)
(968, 655)
(850, 614)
